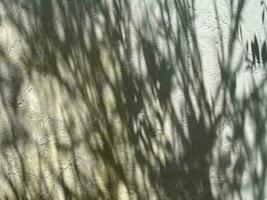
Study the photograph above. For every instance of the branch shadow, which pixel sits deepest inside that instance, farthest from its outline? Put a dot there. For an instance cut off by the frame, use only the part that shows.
(107, 100)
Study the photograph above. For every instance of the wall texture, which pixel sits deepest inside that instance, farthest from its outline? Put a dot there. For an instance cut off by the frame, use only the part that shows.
(133, 99)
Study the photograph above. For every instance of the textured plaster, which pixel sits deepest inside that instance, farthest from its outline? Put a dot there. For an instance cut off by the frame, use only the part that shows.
(41, 106)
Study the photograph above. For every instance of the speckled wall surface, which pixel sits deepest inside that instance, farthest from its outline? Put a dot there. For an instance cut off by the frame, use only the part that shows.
(133, 99)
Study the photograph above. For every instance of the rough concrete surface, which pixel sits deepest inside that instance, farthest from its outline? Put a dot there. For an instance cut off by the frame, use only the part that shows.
(97, 103)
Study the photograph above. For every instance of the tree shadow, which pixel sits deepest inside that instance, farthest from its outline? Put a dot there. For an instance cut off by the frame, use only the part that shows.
(107, 100)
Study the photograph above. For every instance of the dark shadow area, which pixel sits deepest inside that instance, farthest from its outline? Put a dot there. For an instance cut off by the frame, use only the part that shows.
(106, 99)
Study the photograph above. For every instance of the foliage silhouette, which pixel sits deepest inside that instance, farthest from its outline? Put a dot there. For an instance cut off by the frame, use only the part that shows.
(104, 74)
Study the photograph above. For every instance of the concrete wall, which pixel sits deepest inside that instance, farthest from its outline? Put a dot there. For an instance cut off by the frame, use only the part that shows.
(96, 105)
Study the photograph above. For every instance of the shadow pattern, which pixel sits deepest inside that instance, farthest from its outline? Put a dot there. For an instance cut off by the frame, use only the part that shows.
(106, 99)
